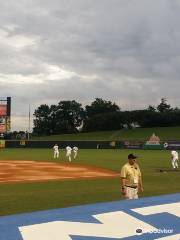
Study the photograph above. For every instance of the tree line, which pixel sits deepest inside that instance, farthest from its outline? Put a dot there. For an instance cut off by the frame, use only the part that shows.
(100, 115)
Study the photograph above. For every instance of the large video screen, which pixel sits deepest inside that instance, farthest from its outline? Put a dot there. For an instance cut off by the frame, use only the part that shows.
(2, 124)
(5, 115)
(3, 110)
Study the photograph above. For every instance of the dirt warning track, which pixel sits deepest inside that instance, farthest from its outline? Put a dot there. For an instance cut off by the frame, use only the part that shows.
(28, 171)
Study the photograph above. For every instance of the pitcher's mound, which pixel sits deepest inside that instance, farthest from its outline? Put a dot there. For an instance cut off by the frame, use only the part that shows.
(25, 171)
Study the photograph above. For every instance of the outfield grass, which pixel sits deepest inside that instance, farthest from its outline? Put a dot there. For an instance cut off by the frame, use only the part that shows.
(141, 134)
(27, 197)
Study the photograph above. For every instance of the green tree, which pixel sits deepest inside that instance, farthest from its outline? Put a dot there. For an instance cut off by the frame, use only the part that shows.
(104, 122)
(42, 121)
(151, 108)
(163, 106)
(100, 106)
(67, 116)
(100, 114)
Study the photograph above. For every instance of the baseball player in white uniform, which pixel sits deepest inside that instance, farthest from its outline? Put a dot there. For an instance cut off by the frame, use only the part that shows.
(75, 151)
(174, 159)
(56, 151)
(68, 152)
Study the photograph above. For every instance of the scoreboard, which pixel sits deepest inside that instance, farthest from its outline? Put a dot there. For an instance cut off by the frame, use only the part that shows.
(5, 115)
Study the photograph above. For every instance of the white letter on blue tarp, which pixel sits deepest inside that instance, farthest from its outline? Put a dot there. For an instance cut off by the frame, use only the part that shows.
(113, 225)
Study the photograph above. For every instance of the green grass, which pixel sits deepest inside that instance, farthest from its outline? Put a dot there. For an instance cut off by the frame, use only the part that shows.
(27, 197)
(141, 134)
(104, 135)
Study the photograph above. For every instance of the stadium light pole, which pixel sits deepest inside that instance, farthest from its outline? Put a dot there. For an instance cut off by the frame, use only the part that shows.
(29, 123)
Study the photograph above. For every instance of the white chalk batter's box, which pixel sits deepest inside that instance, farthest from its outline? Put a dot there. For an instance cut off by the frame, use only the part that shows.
(143, 219)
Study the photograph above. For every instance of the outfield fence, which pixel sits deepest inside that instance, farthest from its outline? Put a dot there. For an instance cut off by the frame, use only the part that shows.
(90, 144)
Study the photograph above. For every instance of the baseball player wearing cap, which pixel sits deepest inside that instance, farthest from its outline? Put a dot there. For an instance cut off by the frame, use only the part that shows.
(75, 151)
(131, 182)
(174, 159)
(68, 152)
(56, 151)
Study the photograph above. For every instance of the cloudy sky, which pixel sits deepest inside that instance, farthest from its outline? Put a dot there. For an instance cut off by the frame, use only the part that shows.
(118, 50)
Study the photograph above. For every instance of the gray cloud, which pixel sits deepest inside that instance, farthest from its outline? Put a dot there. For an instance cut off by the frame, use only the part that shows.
(124, 51)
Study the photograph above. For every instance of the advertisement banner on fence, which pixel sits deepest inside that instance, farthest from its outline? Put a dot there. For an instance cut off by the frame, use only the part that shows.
(133, 145)
(169, 145)
(153, 143)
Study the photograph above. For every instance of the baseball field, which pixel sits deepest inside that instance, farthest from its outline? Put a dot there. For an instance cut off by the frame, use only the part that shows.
(32, 180)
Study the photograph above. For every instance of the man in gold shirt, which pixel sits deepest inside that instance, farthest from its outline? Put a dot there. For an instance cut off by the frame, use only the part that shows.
(131, 181)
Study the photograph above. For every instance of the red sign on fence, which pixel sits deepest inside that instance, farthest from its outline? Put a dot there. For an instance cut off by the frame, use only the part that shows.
(3, 110)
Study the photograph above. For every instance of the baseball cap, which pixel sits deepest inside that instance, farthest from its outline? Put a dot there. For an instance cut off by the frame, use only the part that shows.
(132, 156)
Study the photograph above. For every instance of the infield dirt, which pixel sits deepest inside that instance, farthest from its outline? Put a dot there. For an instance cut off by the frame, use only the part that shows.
(27, 171)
